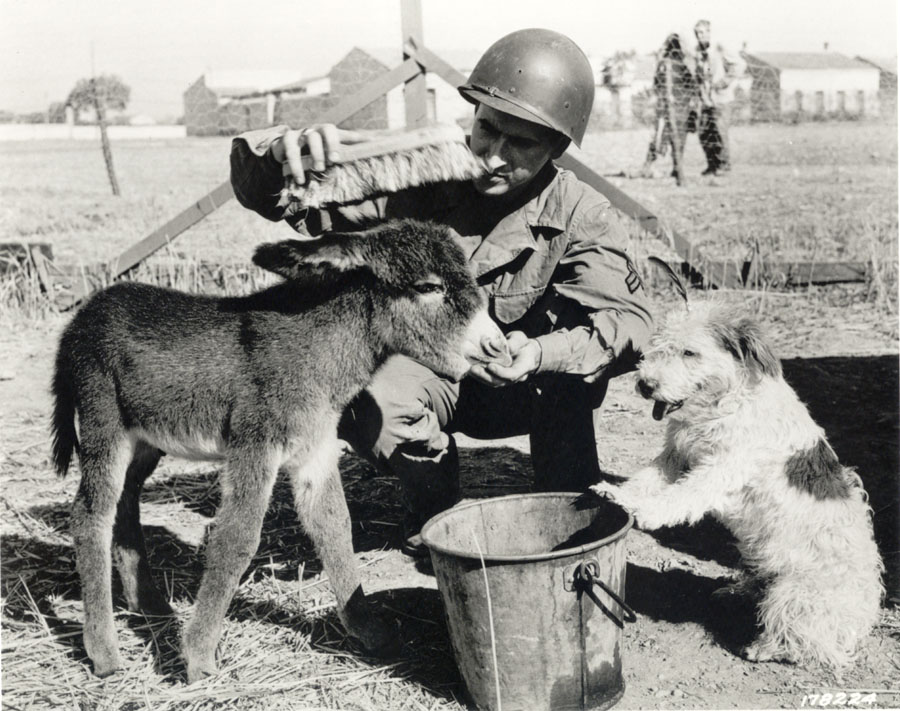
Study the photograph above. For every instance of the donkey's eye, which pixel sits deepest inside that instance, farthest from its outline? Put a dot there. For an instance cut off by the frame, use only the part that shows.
(689, 354)
(428, 287)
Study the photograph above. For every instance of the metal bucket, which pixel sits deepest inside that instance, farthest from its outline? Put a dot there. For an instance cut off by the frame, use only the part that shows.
(532, 587)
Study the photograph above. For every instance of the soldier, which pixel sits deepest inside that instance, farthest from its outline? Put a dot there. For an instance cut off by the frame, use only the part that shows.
(676, 92)
(548, 252)
(717, 70)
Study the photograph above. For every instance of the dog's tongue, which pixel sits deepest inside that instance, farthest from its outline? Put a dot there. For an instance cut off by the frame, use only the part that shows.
(659, 409)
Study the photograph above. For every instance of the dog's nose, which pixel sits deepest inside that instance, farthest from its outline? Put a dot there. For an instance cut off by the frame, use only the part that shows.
(646, 387)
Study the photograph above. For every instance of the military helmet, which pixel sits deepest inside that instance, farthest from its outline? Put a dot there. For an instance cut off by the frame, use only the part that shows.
(537, 75)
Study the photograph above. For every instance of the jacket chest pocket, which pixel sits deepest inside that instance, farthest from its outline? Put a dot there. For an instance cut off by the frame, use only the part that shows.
(510, 306)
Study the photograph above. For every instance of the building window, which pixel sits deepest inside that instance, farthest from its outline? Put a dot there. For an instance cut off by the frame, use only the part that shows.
(820, 103)
(861, 102)
(842, 102)
(798, 100)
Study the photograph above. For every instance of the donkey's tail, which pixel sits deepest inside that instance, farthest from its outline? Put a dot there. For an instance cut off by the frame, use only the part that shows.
(62, 427)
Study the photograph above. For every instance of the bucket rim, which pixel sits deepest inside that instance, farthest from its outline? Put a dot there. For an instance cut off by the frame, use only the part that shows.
(525, 558)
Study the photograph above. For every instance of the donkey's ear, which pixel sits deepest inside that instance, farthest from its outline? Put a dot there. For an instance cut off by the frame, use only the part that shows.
(294, 258)
(744, 339)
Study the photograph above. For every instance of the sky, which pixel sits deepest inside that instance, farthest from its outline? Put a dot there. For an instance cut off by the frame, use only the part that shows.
(161, 47)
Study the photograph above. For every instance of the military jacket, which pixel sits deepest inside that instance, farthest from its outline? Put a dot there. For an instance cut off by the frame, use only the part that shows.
(552, 263)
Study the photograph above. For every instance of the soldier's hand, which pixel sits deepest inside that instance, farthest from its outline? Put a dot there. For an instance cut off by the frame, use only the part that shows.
(322, 142)
(526, 355)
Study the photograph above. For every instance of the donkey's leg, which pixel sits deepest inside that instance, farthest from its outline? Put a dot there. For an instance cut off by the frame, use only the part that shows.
(246, 488)
(129, 551)
(322, 508)
(104, 455)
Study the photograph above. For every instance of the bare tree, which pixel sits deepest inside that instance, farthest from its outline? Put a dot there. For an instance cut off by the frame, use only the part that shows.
(101, 93)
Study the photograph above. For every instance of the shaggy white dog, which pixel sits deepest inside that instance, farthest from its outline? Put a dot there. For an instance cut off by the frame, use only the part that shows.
(741, 446)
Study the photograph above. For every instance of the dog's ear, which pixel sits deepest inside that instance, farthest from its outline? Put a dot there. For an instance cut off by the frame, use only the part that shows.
(743, 338)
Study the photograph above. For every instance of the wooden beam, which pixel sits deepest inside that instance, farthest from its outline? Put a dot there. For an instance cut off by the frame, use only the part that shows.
(162, 236)
(777, 275)
(378, 88)
(433, 63)
(803, 273)
(159, 238)
(415, 91)
(683, 246)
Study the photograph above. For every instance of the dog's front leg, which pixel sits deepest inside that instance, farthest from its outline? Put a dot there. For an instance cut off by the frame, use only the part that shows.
(642, 489)
(640, 486)
(688, 499)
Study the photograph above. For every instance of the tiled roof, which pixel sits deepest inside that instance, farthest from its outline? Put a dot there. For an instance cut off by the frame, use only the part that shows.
(299, 85)
(805, 60)
(885, 64)
(246, 82)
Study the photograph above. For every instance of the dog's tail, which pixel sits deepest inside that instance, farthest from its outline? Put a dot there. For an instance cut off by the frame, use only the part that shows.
(62, 427)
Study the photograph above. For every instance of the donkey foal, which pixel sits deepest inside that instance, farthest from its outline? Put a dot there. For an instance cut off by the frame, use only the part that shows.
(259, 383)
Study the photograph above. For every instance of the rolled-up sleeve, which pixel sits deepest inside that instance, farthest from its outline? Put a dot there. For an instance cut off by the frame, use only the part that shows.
(603, 314)
(256, 177)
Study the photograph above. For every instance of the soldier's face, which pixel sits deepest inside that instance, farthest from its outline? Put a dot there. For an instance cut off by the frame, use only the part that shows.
(702, 34)
(513, 149)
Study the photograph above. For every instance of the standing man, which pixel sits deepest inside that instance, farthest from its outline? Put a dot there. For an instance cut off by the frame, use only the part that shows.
(675, 87)
(717, 70)
(547, 251)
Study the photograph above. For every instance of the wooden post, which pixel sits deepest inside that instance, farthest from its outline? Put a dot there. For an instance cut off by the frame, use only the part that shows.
(415, 90)
(104, 139)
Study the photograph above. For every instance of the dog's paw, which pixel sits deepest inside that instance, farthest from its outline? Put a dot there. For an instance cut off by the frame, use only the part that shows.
(648, 520)
(604, 490)
(763, 651)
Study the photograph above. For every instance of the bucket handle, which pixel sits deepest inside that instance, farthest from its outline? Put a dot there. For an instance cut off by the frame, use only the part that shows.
(587, 574)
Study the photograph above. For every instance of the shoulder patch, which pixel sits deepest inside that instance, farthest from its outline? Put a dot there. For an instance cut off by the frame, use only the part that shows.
(817, 471)
(633, 279)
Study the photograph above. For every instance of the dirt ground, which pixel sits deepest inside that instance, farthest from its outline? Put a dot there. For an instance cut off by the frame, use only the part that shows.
(681, 653)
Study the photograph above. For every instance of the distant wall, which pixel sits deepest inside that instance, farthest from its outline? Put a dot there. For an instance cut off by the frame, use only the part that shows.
(823, 93)
(60, 131)
(302, 110)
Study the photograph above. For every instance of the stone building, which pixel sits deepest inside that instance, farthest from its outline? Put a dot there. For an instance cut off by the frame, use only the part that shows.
(798, 86)
(229, 103)
(887, 83)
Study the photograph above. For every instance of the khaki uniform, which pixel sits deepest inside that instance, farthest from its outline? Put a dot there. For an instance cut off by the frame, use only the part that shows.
(552, 264)
(716, 71)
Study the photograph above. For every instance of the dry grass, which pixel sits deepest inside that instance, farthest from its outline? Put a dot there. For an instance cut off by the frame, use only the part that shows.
(282, 647)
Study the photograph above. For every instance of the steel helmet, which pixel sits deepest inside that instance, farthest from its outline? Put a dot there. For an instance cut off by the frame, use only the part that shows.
(537, 75)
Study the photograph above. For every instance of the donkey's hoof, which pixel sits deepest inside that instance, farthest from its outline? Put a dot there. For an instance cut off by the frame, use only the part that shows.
(102, 649)
(106, 664)
(200, 670)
